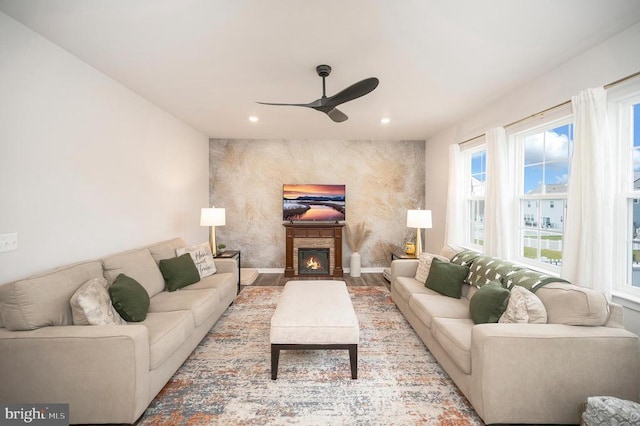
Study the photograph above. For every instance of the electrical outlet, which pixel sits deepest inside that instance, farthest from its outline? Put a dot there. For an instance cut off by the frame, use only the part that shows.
(8, 242)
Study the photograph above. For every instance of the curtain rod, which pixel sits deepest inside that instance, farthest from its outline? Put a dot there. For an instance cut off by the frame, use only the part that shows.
(606, 86)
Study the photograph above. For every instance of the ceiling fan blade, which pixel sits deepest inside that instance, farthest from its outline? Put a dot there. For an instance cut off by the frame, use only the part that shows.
(337, 115)
(313, 104)
(354, 91)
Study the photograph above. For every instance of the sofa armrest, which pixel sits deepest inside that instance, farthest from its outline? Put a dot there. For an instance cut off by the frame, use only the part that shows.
(540, 373)
(63, 365)
(403, 268)
(226, 265)
(616, 316)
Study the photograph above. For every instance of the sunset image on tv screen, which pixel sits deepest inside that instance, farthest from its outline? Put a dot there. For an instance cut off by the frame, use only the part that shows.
(313, 202)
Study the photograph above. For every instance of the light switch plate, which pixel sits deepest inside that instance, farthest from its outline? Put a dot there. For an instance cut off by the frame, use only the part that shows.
(8, 242)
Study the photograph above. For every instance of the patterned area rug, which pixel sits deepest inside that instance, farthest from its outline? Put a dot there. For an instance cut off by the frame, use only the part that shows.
(227, 379)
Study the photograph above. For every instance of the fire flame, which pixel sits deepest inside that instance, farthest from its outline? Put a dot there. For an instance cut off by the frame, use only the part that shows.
(313, 263)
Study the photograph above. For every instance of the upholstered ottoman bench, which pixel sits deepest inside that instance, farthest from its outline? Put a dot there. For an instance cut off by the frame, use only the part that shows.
(314, 315)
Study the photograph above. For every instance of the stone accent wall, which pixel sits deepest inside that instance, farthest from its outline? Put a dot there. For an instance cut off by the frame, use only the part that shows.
(383, 180)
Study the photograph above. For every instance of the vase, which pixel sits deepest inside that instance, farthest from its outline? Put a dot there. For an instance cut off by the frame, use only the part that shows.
(354, 265)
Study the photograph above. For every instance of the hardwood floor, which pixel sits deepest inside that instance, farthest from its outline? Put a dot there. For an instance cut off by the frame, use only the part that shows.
(368, 279)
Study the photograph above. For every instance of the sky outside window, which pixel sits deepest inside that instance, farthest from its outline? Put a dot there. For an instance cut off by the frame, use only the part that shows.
(478, 172)
(546, 159)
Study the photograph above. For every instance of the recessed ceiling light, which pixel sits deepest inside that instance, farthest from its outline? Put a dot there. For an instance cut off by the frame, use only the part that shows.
(253, 119)
(385, 120)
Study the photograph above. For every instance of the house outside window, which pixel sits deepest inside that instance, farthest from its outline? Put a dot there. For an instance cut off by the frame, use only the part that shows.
(476, 176)
(544, 158)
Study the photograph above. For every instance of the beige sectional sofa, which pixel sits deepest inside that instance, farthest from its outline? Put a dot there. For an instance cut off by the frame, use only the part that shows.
(521, 372)
(107, 374)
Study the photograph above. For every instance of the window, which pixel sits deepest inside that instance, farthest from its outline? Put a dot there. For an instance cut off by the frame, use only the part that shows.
(544, 155)
(634, 231)
(625, 114)
(476, 166)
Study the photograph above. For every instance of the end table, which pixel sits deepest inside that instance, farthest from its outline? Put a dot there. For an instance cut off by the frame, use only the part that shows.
(399, 254)
(231, 254)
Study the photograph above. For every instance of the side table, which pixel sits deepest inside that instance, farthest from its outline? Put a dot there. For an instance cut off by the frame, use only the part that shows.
(396, 254)
(232, 254)
(399, 254)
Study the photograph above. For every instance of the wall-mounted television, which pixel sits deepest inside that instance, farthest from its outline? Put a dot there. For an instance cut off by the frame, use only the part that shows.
(308, 203)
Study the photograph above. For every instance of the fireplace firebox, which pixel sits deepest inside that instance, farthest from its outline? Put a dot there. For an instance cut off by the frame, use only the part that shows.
(313, 261)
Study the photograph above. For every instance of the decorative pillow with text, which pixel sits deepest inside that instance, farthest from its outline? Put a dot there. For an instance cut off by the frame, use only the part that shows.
(202, 257)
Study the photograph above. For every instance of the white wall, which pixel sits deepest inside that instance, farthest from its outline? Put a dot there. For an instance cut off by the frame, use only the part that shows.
(87, 167)
(614, 59)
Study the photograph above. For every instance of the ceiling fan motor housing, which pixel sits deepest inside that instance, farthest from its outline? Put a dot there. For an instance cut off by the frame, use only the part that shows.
(323, 70)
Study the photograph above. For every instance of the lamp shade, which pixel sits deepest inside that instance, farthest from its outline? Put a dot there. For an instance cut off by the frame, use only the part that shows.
(419, 218)
(212, 217)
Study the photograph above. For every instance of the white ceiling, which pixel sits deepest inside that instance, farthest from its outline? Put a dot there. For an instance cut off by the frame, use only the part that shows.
(208, 61)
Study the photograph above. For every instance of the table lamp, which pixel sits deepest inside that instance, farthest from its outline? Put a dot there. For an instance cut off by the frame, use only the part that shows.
(212, 217)
(418, 219)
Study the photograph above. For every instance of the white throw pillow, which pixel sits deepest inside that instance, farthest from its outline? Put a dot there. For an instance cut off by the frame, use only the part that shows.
(91, 305)
(424, 264)
(524, 307)
(202, 257)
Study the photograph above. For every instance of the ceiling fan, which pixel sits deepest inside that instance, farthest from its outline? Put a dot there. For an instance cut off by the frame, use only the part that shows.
(328, 104)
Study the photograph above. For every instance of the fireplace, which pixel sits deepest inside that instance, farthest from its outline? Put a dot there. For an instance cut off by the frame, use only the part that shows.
(325, 237)
(313, 261)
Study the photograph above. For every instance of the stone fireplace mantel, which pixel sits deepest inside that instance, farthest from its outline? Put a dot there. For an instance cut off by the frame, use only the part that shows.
(327, 235)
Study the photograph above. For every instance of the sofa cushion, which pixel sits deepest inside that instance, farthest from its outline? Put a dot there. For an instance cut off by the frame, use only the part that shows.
(218, 280)
(573, 305)
(129, 298)
(137, 264)
(454, 335)
(449, 251)
(429, 306)
(225, 282)
(488, 303)
(166, 249)
(179, 272)
(524, 307)
(485, 269)
(406, 286)
(43, 300)
(167, 332)
(202, 257)
(201, 303)
(446, 278)
(91, 305)
(424, 264)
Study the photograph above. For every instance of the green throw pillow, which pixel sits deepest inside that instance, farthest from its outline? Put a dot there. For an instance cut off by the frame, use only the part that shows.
(446, 278)
(179, 272)
(489, 303)
(129, 298)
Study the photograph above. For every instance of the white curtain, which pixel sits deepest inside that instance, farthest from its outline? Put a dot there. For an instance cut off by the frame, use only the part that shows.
(454, 226)
(498, 195)
(588, 243)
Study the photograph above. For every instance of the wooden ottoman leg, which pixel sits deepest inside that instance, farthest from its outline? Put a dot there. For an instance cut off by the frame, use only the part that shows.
(353, 359)
(275, 356)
